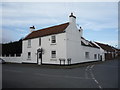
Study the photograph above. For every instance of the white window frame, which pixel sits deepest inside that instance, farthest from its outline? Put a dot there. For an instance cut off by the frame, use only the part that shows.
(53, 55)
(53, 39)
(29, 43)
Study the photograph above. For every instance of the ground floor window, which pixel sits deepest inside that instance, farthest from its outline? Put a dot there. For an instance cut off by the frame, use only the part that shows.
(98, 56)
(87, 56)
(29, 55)
(95, 56)
(53, 54)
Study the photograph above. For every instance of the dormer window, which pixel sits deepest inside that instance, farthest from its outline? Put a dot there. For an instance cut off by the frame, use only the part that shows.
(29, 43)
(53, 39)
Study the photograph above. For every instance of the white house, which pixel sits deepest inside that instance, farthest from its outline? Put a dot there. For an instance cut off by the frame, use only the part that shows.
(60, 44)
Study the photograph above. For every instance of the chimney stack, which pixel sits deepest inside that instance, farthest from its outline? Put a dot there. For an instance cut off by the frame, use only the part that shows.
(72, 18)
(32, 28)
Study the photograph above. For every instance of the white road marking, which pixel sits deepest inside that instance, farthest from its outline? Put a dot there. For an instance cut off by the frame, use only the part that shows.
(89, 69)
(92, 66)
(96, 81)
(100, 87)
(86, 72)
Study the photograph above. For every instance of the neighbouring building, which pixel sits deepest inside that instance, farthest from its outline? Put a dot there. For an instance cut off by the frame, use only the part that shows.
(108, 52)
(61, 44)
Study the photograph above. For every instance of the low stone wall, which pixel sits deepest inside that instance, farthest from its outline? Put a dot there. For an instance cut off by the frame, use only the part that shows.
(12, 59)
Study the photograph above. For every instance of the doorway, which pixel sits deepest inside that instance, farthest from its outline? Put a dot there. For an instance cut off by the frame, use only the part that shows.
(39, 56)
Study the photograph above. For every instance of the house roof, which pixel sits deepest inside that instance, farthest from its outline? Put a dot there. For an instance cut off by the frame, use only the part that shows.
(47, 31)
(90, 44)
(106, 47)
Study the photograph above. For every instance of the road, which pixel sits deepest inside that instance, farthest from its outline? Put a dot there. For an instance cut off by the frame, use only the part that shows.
(99, 75)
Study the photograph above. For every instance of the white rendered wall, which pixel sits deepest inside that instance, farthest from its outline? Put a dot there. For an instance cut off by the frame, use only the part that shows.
(47, 46)
(32, 49)
(92, 51)
(75, 50)
(59, 47)
(73, 43)
(102, 52)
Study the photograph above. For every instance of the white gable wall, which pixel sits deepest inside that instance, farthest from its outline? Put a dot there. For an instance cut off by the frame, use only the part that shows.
(75, 50)
(32, 49)
(73, 43)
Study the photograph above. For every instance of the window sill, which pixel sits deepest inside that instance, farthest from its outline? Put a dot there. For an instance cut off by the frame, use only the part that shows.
(29, 47)
(53, 59)
(29, 59)
(53, 43)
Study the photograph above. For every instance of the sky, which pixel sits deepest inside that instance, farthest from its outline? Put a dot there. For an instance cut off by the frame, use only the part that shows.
(99, 20)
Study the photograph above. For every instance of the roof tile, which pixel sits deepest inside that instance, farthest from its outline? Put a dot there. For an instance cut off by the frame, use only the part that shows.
(47, 31)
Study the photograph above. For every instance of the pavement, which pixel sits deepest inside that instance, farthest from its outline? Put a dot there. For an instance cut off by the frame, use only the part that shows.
(94, 75)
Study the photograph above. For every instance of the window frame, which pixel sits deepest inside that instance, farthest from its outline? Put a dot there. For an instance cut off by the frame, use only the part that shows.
(95, 56)
(87, 55)
(53, 55)
(53, 39)
(29, 43)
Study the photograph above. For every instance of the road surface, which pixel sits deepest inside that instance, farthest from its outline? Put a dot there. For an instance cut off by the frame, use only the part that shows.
(100, 75)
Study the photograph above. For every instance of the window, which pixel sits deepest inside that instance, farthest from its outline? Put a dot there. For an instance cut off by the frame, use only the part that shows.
(98, 56)
(29, 43)
(53, 39)
(53, 54)
(95, 56)
(87, 55)
(29, 55)
(39, 41)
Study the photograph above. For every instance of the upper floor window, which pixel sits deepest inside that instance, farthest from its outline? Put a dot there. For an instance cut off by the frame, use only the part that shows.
(39, 41)
(53, 39)
(29, 43)
(53, 54)
(87, 56)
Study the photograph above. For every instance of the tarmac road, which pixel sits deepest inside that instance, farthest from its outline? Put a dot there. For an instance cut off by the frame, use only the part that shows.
(99, 75)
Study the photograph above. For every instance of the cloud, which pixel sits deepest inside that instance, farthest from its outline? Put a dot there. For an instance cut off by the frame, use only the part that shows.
(99, 26)
(18, 17)
(61, 1)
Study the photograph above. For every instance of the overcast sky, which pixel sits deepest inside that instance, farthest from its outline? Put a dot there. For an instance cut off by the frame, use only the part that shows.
(98, 19)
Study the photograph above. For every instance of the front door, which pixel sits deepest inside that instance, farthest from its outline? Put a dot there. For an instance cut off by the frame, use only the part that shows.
(39, 58)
